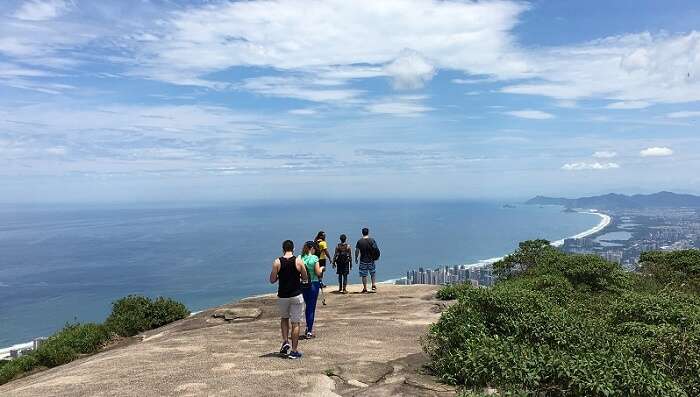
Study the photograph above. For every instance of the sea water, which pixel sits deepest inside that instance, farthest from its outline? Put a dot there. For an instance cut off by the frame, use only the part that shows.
(62, 264)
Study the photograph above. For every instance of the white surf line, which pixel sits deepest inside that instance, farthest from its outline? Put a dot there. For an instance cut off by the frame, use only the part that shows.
(5, 351)
(604, 222)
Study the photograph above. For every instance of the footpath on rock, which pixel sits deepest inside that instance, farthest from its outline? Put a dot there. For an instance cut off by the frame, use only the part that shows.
(366, 345)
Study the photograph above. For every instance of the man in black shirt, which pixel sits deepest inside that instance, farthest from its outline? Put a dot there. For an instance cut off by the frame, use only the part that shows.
(365, 253)
(289, 270)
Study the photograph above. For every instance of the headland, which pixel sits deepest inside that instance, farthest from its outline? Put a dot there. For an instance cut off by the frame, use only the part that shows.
(366, 344)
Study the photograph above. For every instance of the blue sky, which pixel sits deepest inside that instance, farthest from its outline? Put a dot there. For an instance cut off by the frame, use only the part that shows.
(219, 100)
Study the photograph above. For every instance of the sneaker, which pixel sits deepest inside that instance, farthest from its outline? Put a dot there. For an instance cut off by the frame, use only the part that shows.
(309, 335)
(284, 350)
(294, 355)
(322, 285)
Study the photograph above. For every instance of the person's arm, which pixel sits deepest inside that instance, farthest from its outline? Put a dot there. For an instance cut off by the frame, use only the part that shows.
(302, 269)
(275, 270)
(318, 270)
(350, 253)
(335, 256)
(357, 253)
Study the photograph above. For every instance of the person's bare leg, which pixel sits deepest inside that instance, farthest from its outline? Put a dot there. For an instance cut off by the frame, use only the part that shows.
(364, 283)
(295, 336)
(374, 280)
(284, 325)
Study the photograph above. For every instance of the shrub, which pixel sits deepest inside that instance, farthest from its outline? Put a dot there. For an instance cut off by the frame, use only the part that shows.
(72, 341)
(452, 291)
(13, 368)
(569, 325)
(678, 269)
(129, 315)
(164, 311)
(134, 314)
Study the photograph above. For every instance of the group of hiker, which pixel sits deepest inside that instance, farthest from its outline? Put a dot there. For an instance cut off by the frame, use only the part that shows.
(301, 281)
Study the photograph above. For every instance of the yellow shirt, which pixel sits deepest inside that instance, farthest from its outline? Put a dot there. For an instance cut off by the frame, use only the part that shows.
(322, 245)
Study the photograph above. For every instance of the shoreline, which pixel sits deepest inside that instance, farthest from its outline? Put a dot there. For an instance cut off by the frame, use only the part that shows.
(604, 222)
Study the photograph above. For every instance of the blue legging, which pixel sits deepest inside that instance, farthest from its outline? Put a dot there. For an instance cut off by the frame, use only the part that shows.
(310, 298)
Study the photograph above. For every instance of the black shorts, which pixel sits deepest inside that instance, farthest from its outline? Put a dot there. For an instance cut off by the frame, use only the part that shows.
(322, 262)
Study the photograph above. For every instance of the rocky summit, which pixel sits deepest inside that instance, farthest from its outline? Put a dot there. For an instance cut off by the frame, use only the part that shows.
(366, 345)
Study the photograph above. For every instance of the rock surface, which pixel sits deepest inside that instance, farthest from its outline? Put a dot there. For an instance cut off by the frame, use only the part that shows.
(366, 345)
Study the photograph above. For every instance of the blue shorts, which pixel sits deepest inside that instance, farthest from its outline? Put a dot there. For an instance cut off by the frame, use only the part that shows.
(367, 268)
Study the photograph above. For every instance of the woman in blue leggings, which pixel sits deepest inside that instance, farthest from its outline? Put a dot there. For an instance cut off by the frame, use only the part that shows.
(308, 256)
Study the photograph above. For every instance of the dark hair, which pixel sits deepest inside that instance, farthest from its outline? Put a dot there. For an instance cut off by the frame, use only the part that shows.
(307, 247)
(343, 238)
(288, 246)
(321, 235)
(365, 231)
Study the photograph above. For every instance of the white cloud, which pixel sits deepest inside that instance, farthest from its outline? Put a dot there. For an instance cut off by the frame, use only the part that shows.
(633, 68)
(567, 103)
(629, 105)
(474, 81)
(530, 114)
(308, 89)
(656, 152)
(683, 114)
(605, 154)
(400, 105)
(407, 40)
(589, 166)
(410, 70)
(303, 111)
(42, 10)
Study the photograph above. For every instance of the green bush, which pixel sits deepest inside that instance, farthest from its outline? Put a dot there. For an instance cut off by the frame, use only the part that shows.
(452, 291)
(14, 368)
(164, 311)
(134, 314)
(568, 325)
(130, 315)
(72, 341)
(676, 269)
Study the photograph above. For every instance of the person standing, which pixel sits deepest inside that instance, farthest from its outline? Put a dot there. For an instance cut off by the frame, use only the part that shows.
(310, 292)
(289, 271)
(322, 252)
(367, 253)
(342, 262)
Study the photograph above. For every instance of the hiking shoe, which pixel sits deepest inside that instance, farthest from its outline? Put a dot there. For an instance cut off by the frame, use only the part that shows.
(294, 355)
(284, 350)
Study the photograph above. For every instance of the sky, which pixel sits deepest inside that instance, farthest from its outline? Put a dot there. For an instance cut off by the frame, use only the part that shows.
(140, 100)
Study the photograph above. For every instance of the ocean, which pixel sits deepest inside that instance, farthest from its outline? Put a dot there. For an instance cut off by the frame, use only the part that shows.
(62, 264)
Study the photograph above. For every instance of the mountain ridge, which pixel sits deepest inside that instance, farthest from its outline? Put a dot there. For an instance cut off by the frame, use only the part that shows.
(661, 199)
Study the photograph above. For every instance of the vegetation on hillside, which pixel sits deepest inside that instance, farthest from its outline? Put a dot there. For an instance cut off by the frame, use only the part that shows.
(562, 324)
(130, 315)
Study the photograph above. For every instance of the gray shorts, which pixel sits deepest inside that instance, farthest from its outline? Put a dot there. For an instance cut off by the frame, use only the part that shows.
(291, 308)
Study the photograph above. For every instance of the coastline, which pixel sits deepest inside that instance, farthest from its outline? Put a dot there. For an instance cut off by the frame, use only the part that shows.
(604, 222)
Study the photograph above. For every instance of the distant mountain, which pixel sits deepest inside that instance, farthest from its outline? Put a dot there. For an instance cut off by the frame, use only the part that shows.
(612, 200)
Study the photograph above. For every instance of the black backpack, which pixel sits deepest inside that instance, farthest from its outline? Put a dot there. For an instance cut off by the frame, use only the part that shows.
(374, 248)
(343, 257)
